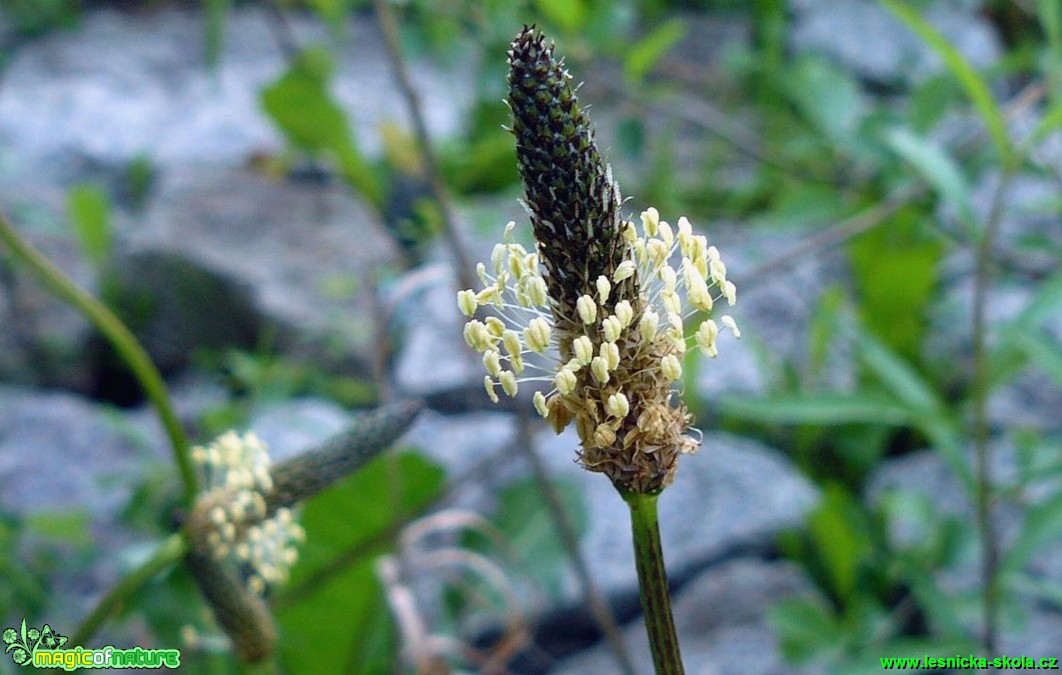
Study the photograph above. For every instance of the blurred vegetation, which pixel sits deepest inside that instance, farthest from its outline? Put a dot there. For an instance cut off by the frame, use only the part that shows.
(785, 143)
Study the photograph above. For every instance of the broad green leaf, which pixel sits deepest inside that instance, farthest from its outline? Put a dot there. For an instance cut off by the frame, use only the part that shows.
(300, 104)
(530, 529)
(334, 603)
(975, 86)
(645, 54)
(935, 166)
(826, 408)
(90, 213)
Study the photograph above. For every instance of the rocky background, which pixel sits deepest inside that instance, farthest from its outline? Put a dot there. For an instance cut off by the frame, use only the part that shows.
(218, 258)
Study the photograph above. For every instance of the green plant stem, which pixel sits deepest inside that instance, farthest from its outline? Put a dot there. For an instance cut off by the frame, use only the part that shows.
(123, 341)
(652, 583)
(168, 553)
(981, 382)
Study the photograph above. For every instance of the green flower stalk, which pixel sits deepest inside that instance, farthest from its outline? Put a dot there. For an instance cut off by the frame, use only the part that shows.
(597, 312)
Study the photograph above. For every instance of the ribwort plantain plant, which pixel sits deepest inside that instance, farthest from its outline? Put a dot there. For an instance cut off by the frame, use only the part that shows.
(597, 313)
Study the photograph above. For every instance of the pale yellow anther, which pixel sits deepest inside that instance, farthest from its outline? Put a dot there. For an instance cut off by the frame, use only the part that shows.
(700, 298)
(508, 232)
(624, 270)
(466, 300)
(729, 322)
(497, 256)
(536, 292)
(481, 272)
(477, 336)
(617, 405)
(672, 302)
(487, 295)
(671, 367)
(537, 334)
(599, 367)
(718, 270)
(511, 340)
(603, 289)
(730, 293)
(611, 328)
(508, 383)
(666, 235)
(630, 232)
(488, 384)
(647, 326)
(706, 336)
(495, 326)
(540, 404)
(583, 348)
(667, 275)
(713, 254)
(650, 221)
(492, 362)
(610, 352)
(674, 319)
(625, 313)
(657, 252)
(565, 381)
(587, 309)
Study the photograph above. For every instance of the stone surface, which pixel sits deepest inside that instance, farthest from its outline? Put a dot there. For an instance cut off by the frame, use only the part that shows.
(734, 491)
(223, 254)
(865, 37)
(124, 85)
(721, 618)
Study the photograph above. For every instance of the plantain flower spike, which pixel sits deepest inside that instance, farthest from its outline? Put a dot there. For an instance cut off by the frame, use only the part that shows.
(606, 338)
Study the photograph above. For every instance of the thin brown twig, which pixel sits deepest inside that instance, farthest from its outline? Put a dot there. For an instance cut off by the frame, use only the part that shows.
(570, 540)
(420, 129)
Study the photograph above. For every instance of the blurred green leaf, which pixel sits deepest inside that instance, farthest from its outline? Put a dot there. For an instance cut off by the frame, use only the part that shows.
(806, 627)
(895, 266)
(645, 54)
(1043, 524)
(90, 213)
(347, 526)
(1050, 12)
(528, 525)
(300, 104)
(974, 85)
(1043, 352)
(841, 542)
(828, 97)
(902, 381)
(217, 11)
(935, 166)
(825, 408)
(568, 15)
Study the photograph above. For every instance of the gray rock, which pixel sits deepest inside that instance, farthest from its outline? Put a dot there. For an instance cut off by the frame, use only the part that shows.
(124, 85)
(721, 618)
(294, 426)
(865, 37)
(65, 456)
(224, 253)
(43, 338)
(735, 491)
